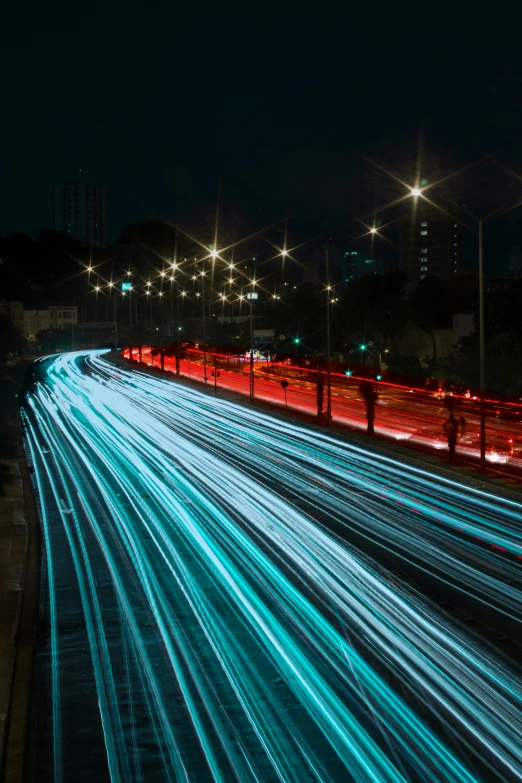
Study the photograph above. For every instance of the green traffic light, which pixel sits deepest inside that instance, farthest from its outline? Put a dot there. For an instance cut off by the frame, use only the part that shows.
(297, 340)
(348, 373)
(362, 347)
(378, 377)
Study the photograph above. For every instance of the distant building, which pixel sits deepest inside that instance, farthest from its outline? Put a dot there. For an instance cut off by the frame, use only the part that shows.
(63, 316)
(52, 317)
(36, 321)
(357, 265)
(80, 212)
(430, 244)
(14, 311)
(496, 285)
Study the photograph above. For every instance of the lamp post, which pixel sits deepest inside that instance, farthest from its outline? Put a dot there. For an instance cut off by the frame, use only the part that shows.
(328, 383)
(482, 350)
(203, 317)
(251, 343)
(115, 319)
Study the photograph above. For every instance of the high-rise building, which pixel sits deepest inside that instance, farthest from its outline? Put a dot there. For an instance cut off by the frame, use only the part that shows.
(430, 244)
(357, 265)
(80, 212)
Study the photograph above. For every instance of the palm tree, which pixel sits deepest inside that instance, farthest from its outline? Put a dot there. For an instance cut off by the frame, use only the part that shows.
(452, 425)
(370, 397)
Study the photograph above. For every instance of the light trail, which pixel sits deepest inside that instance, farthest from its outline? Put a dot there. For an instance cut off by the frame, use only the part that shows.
(255, 643)
(403, 414)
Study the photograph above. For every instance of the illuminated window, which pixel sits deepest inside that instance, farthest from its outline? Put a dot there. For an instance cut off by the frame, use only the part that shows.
(424, 250)
(424, 233)
(424, 268)
(424, 224)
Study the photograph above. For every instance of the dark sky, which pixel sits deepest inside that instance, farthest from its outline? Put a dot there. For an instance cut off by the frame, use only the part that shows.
(275, 106)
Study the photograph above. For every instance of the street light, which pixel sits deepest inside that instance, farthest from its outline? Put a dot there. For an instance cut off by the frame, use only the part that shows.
(415, 192)
(373, 230)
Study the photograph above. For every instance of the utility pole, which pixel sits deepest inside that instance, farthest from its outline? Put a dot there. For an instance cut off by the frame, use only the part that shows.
(203, 314)
(482, 352)
(252, 395)
(328, 384)
(177, 324)
(115, 319)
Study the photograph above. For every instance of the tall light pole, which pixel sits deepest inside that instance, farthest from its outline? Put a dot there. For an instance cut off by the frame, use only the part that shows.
(203, 316)
(115, 319)
(482, 350)
(328, 383)
(252, 390)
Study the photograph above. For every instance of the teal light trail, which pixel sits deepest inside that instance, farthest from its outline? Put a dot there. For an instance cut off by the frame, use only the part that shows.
(245, 639)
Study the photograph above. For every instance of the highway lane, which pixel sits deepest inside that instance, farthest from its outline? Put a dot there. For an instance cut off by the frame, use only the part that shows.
(416, 417)
(213, 629)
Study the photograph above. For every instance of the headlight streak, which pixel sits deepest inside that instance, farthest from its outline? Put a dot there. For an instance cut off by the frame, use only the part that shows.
(256, 548)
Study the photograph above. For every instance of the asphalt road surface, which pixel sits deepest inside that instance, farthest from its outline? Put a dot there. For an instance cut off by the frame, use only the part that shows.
(228, 597)
(402, 414)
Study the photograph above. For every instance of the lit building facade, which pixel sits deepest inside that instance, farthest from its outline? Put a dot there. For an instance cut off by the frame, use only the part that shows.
(430, 244)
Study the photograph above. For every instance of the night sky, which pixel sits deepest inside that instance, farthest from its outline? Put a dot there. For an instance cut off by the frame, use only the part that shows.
(274, 107)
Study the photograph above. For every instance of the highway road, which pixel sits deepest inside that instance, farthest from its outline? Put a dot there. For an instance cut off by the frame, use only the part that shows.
(402, 414)
(228, 596)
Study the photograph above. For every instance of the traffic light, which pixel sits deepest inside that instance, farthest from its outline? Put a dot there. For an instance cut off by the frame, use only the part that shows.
(348, 373)
(378, 377)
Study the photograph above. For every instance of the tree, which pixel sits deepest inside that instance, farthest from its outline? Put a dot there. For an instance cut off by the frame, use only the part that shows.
(370, 397)
(11, 341)
(430, 308)
(453, 425)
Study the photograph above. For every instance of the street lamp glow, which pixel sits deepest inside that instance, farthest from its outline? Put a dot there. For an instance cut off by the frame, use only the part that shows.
(241, 296)
(183, 293)
(231, 266)
(253, 282)
(284, 253)
(198, 294)
(223, 296)
(416, 192)
(202, 274)
(97, 288)
(110, 284)
(174, 265)
(160, 293)
(214, 253)
(231, 279)
(163, 274)
(89, 268)
(373, 230)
